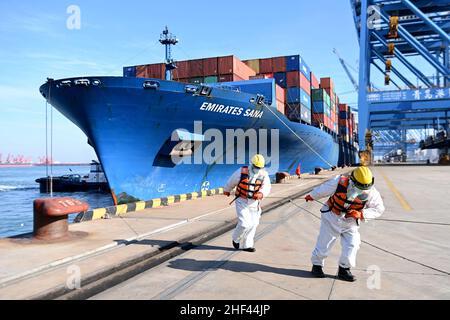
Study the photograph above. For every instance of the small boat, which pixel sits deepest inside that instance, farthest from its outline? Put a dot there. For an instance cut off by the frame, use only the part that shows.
(95, 180)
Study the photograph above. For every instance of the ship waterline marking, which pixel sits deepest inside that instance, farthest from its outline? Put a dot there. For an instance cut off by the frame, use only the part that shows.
(235, 146)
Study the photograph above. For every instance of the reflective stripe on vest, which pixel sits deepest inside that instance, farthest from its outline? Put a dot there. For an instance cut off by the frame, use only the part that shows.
(248, 188)
(338, 202)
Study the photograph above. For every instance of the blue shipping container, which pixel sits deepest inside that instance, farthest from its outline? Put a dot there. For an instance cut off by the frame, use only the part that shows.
(342, 115)
(297, 63)
(129, 72)
(305, 99)
(280, 79)
(266, 87)
(318, 106)
(293, 95)
(321, 107)
(306, 114)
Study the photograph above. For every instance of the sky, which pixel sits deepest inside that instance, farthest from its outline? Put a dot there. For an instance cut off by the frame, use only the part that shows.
(36, 43)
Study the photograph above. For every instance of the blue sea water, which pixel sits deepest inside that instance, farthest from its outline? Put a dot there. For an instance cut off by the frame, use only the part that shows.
(18, 190)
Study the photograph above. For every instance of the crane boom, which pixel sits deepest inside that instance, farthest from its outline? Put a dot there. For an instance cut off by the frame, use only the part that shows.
(344, 65)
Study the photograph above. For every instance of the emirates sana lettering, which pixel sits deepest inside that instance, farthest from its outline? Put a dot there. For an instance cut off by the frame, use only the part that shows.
(235, 111)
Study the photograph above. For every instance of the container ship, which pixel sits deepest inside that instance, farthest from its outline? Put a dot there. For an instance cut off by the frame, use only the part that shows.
(151, 129)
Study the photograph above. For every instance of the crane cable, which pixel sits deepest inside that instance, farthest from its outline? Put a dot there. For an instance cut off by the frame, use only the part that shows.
(298, 137)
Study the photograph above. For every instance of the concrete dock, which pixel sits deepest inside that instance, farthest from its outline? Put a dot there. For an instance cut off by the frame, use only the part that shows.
(184, 251)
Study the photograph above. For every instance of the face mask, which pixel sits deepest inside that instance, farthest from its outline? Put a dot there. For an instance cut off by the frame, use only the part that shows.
(354, 192)
(254, 170)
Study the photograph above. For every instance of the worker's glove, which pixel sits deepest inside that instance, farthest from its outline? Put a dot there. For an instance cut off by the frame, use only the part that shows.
(354, 214)
(225, 193)
(258, 196)
(309, 198)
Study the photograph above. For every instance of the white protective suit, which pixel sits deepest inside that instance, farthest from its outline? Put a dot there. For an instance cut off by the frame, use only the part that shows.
(333, 226)
(248, 210)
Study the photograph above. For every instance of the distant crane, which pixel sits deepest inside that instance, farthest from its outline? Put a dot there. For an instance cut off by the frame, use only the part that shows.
(346, 68)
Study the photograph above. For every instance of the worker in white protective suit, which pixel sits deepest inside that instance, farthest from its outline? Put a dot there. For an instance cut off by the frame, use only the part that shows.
(252, 186)
(351, 199)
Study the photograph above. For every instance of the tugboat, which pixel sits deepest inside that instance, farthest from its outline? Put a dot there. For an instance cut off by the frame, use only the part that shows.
(94, 181)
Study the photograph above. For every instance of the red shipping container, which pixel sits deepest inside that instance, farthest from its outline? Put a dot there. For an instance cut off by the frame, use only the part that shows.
(262, 76)
(342, 123)
(326, 83)
(266, 65)
(314, 82)
(225, 65)
(210, 67)
(229, 78)
(257, 77)
(141, 72)
(195, 68)
(343, 107)
(232, 65)
(182, 70)
(298, 80)
(151, 71)
(278, 64)
(318, 118)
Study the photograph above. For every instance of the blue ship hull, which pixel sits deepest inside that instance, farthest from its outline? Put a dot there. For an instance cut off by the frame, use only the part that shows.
(130, 128)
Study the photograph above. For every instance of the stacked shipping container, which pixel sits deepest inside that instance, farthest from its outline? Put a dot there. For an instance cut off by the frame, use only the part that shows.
(295, 90)
(293, 75)
(208, 70)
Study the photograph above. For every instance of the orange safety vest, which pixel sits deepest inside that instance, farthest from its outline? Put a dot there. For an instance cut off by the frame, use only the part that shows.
(245, 189)
(338, 201)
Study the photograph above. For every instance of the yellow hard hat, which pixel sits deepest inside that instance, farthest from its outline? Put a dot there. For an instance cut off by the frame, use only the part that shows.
(258, 161)
(363, 178)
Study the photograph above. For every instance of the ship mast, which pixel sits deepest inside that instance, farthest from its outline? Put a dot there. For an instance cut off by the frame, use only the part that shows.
(168, 40)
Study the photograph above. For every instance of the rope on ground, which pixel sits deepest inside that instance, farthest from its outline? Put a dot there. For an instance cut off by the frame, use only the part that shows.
(379, 248)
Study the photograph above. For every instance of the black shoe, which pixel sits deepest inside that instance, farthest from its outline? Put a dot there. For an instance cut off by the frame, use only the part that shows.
(249, 250)
(236, 245)
(346, 275)
(317, 272)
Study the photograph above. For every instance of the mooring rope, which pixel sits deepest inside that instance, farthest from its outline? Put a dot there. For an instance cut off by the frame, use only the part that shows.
(295, 134)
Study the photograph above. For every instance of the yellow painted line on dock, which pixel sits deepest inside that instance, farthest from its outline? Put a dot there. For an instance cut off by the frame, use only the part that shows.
(98, 213)
(140, 205)
(397, 193)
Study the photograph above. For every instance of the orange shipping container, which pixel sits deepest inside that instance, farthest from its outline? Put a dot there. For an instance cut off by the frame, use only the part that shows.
(280, 94)
(281, 107)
